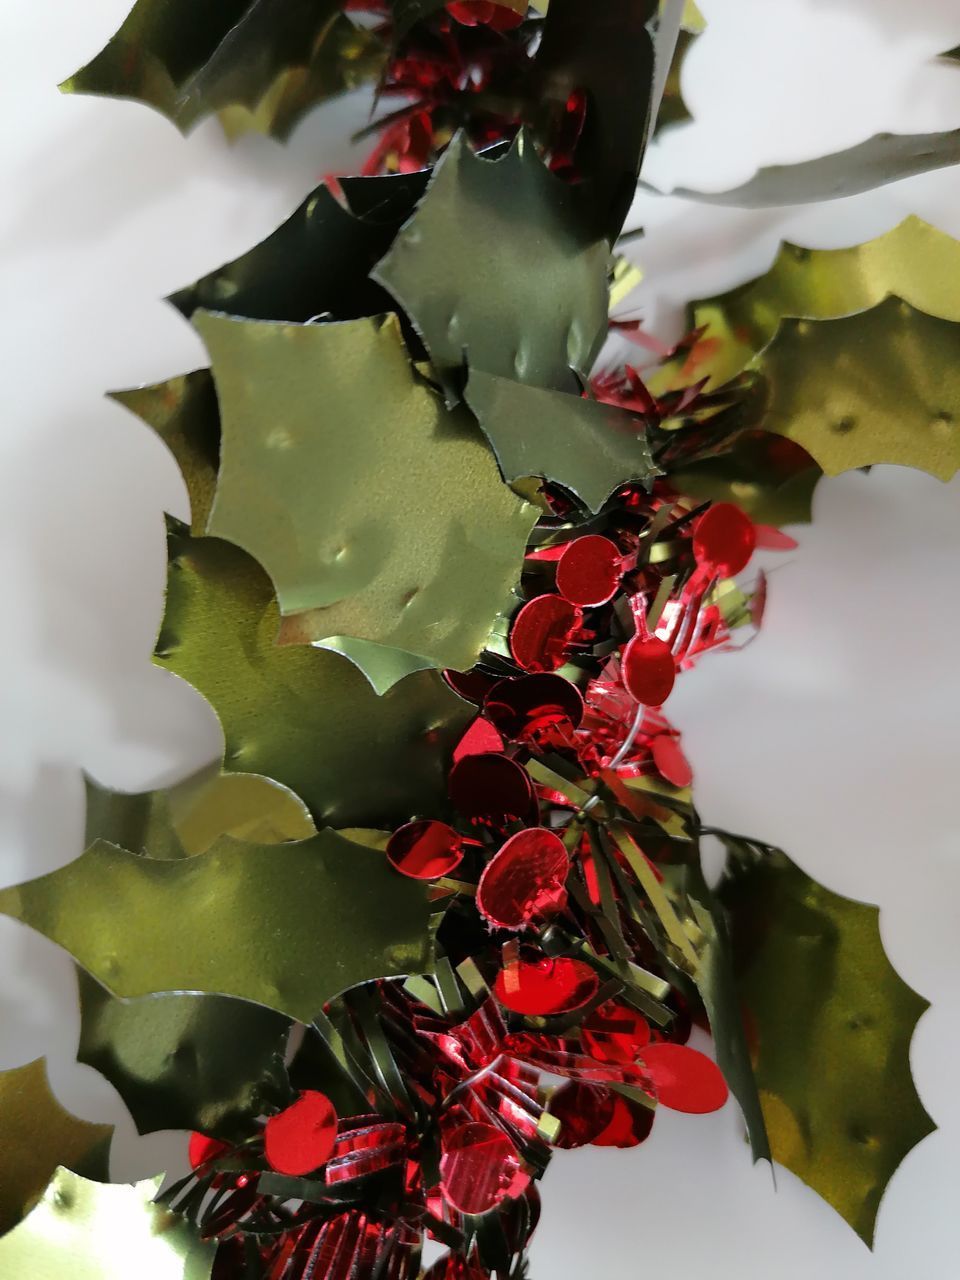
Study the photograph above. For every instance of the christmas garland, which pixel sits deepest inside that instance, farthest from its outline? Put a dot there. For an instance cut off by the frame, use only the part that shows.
(439, 911)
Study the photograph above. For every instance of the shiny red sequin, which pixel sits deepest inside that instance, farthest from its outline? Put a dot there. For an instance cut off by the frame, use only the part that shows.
(534, 706)
(545, 986)
(724, 539)
(475, 13)
(524, 880)
(588, 572)
(480, 739)
(671, 763)
(425, 850)
(584, 1112)
(491, 788)
(541, 632)
(479, 1168)
(630, 1123)
(684, 1079)
(648, 670)
(201, 1149)
(615, 1033)
(301, 1138)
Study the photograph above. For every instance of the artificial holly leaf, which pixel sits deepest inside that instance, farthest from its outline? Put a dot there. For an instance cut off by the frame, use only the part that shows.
(913, 261)
(673, 110)
(184, 820)
(589, 448)
(610, 59)
(174, 1059)
(189, 61)
(952, 54)
(315, 263)
(287, 926)
(344, 57)
(498, 267)
(831, 1023)
(306, 717)
(87, 1231)
(887, 157)
(183, 412)
(378, 513)
(768, 477)
(37, 1136)
(881, 386)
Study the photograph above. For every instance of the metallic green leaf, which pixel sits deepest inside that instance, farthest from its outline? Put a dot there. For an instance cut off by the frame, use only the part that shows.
(378, 514)
(37, 1136)
(887, 157)
(754, 476)
(497, 268)
(881, 386)
(304, 716)
(190, 60)
(183, 412)
(184, 1061)
(589, 448)
(87, 1231)
(287, 926)
(831, 1022)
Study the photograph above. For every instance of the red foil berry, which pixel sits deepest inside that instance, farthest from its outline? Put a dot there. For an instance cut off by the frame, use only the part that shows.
(479, 1168)
(724, 539)
(301, 1138)
(532, 706)
(476, 13)
(648, 670)
(491, 788)
(541, 632)
(630, 1123)
(672, 764)
(615, 1033)
(525, 879)
(588, 572)
(425, 850)
(545, 986)
(201, 1149)
(683, 1078)
(584, 1112)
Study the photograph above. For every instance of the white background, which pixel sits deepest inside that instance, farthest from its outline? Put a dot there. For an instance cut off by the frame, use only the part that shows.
(835, 734)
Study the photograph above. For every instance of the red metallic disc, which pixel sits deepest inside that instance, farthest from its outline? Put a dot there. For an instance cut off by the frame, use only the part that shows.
(491, 788)
(532, 706)
(525, 879)
(648, 670)
(301, 1138)
(671, 763)
(545, 986)
(479, 1168)
(588, 572)
(424, 850)
(472, 686)
(629, 1125)
(724, 539)
(584, 1112)
(683, 1078)
(480, 739)
(201, 1149)
(476, 13)
(615, 1033)
(541, 632)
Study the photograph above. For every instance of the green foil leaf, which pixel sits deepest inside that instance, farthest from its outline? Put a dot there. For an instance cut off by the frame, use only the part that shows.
(182, 1061)
(881, 386)
(378, 514)
(38, 1134)
(887, 157)
(183, 412)
(87, 1231)
(190, 60)
(304, 716)
(831, 1023)
(498, 267)
(286, 926)
(589, 448)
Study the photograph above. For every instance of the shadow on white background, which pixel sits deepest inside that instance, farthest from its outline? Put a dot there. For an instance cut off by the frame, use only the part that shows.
(835, 734)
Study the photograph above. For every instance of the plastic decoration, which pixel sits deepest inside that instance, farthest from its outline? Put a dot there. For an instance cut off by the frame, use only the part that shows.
(438, 912)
